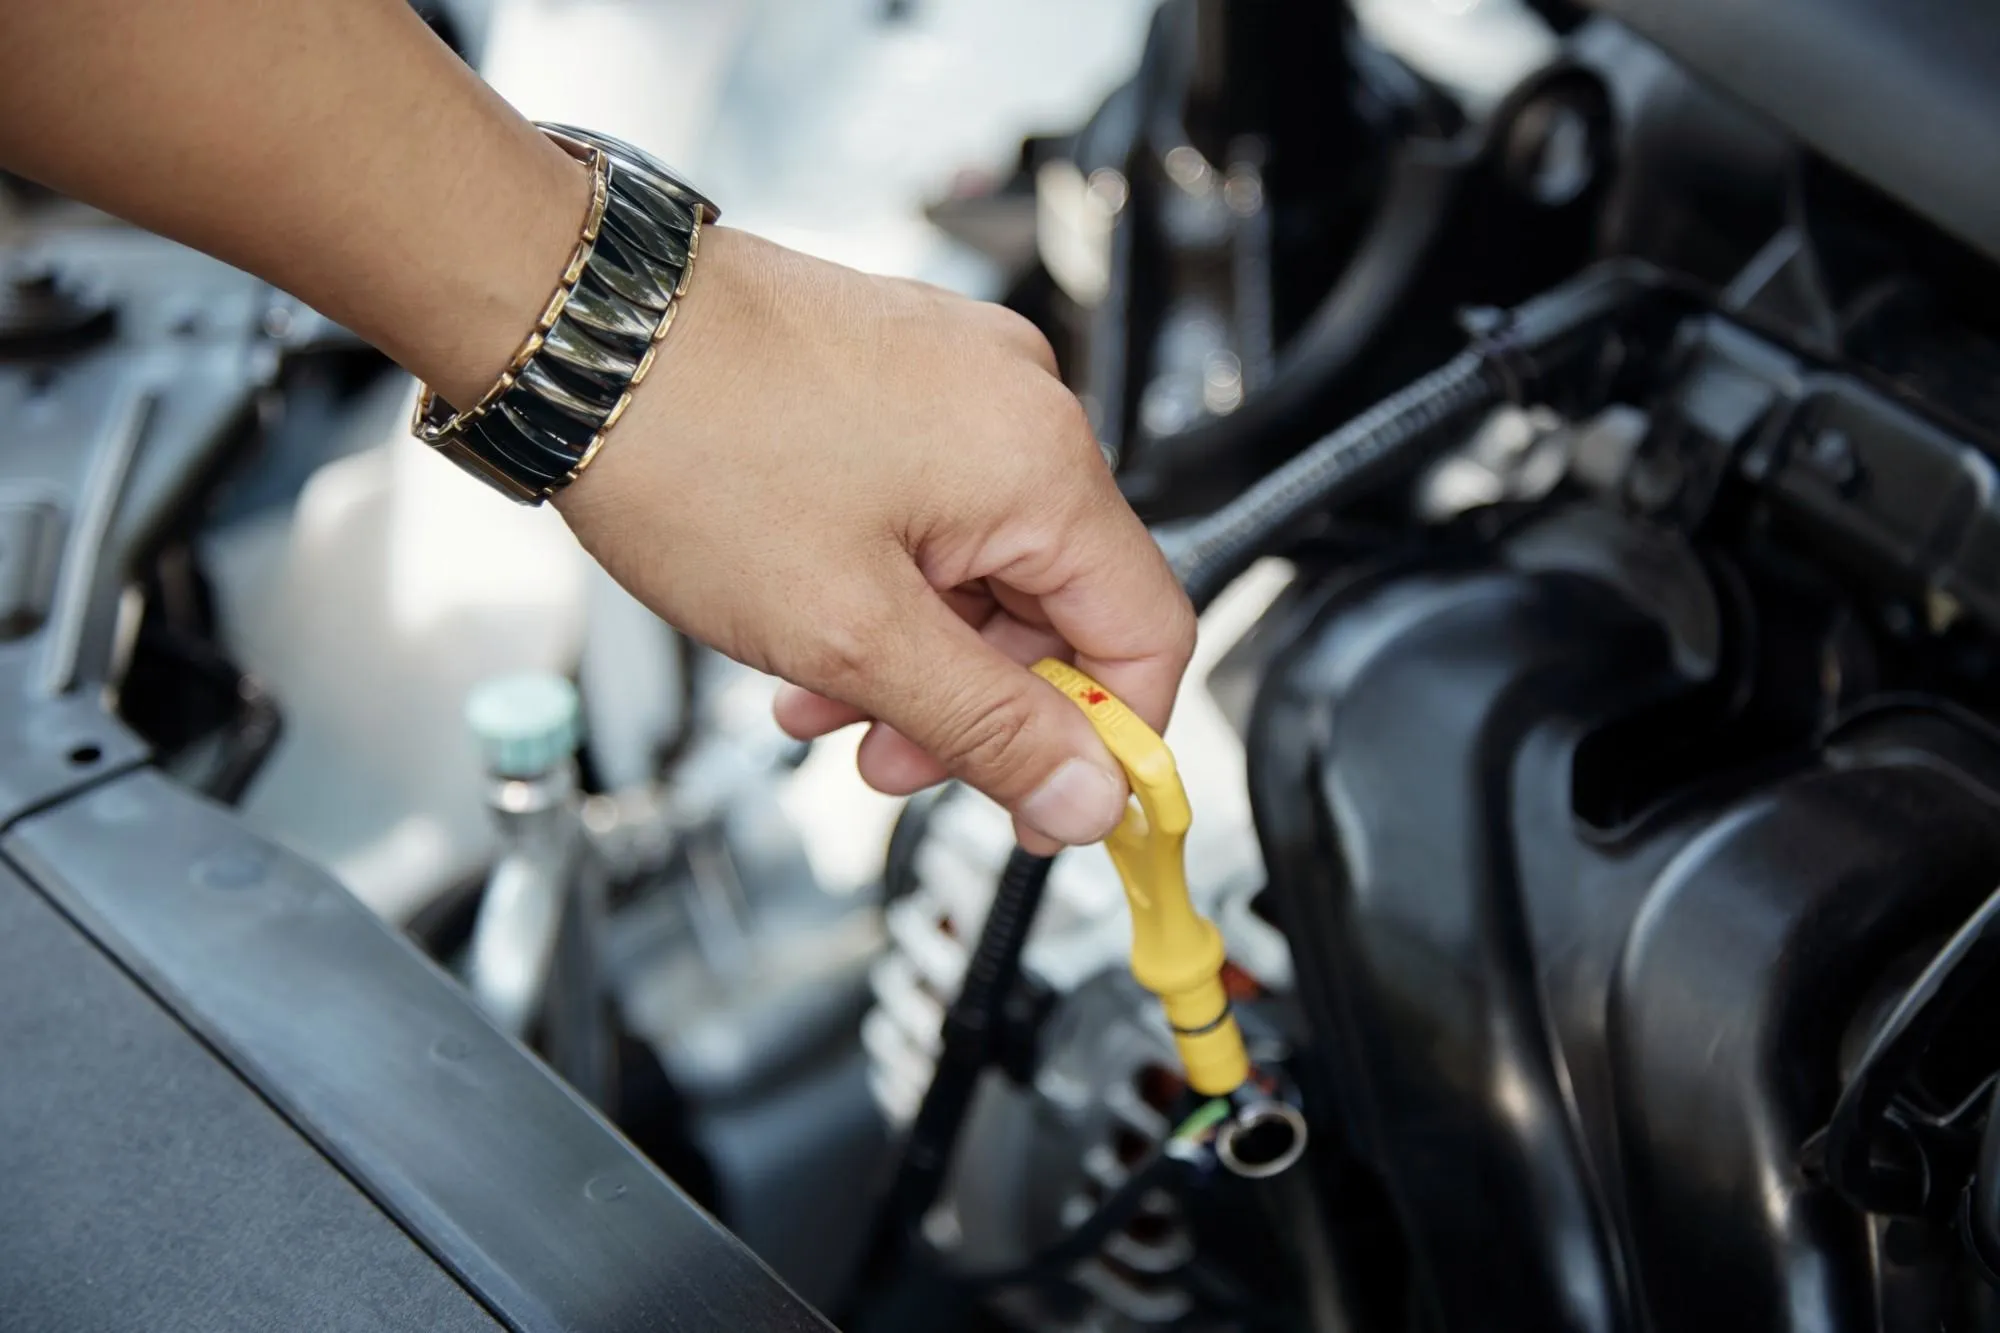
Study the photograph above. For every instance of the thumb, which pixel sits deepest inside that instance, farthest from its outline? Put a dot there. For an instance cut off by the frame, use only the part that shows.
(992, 723)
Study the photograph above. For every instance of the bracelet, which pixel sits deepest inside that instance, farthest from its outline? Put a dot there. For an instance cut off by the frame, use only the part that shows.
(546, 416)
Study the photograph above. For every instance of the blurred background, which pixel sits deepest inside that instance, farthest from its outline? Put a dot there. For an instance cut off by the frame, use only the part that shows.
(755, 926)
(826, 126)
(1574, 422)
(834, 126)
(750, 926)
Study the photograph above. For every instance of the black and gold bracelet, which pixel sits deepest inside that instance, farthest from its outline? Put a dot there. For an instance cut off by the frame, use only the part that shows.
(545, 418)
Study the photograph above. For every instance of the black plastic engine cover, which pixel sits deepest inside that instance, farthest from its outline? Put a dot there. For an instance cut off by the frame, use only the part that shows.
(1903, 93)
(1582, 1043)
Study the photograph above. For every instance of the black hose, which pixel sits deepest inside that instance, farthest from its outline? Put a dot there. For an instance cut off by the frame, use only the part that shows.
(1565, 346)
(968, 1047)
(1516, 355)
(1424, 179)
(1979, 1205)
(1429, 414)
(1431, 163)
(1054, 1261)
(1390, 438)
(1297, 1219)
(906, 840)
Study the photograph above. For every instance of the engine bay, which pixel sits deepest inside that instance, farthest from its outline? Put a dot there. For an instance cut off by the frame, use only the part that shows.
(1582, 456)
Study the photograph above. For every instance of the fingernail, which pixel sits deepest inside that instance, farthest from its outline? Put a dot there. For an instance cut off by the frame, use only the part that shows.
(1079, 803)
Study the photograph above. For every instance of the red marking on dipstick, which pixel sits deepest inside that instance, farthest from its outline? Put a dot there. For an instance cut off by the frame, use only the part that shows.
(1095, 696)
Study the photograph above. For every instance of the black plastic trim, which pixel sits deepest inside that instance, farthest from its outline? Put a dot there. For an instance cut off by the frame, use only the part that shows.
(1903, 93)
(503, 1174)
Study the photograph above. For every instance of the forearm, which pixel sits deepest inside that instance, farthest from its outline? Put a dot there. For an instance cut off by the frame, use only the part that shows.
(335, 148)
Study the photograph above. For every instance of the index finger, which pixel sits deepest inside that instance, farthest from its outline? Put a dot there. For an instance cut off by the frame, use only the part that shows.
(1107, 589)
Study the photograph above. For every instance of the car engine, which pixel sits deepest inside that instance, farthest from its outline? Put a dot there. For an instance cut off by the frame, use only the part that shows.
(1576, 426)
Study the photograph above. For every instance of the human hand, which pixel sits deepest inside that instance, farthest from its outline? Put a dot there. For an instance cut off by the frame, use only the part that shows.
(881, 493)
(873, 489)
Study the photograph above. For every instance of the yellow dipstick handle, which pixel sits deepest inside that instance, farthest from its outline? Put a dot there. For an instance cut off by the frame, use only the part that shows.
(1176, 953)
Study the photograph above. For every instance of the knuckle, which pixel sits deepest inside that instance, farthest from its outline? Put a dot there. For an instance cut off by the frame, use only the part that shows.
(1059, 419)
(1012, 324)
(988, 740)
(1031, 339)
(1036, 437)
(835, 661)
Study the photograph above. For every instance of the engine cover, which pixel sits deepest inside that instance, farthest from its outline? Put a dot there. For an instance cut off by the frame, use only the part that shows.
(1896, 91)
(1580, 1004)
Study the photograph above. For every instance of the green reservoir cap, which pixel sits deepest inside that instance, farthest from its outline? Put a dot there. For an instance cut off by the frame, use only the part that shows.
(526, 724)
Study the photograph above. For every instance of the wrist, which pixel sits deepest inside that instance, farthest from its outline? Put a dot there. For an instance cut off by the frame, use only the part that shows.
(677, 400)
(540, 421)
(488, 295)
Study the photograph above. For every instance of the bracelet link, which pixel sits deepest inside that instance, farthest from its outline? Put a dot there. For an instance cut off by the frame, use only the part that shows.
(547, 414)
